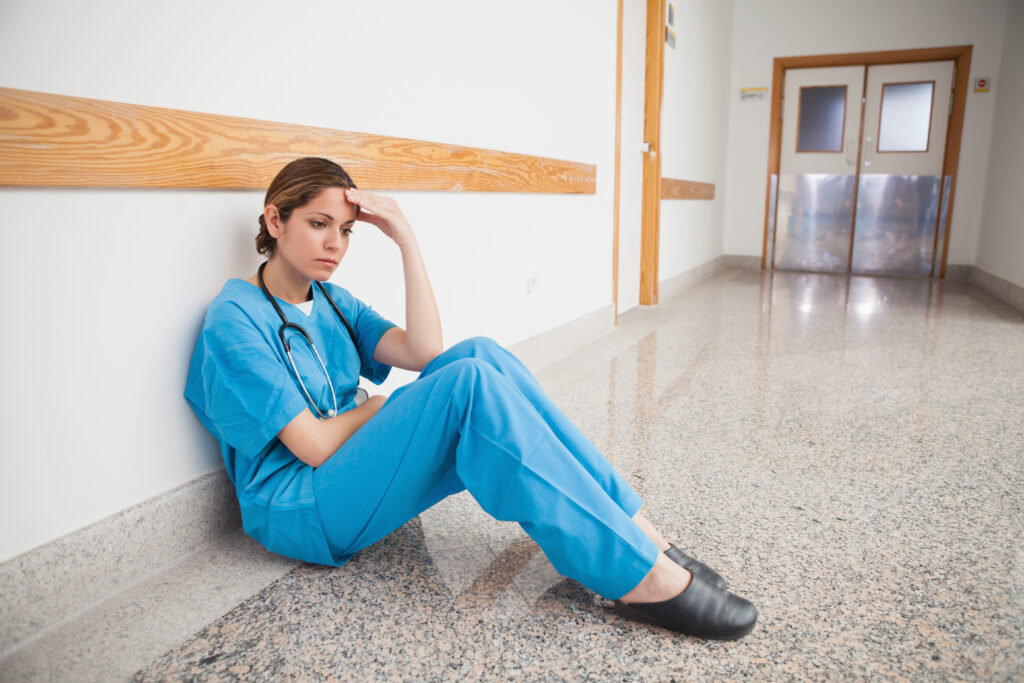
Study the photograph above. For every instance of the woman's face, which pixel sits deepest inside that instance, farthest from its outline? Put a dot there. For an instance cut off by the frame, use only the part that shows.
(315, 237)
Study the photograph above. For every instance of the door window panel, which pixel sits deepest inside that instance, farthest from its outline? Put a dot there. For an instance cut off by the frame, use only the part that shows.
(906, 117)
(822, 117)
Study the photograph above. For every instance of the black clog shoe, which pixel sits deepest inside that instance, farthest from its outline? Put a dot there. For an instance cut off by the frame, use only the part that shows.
(702, 610)
(696, 566)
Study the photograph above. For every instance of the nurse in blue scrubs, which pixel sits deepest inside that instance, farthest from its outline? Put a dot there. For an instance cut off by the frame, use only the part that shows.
(321, 474)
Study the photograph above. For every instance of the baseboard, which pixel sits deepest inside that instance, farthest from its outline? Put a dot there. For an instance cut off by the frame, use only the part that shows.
(677, 284)
(958, 271)
(550, 346)
(742, 262)
(1004, 290)
(52, 583)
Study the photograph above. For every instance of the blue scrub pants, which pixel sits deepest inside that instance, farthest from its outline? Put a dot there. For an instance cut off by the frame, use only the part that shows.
(477, 420)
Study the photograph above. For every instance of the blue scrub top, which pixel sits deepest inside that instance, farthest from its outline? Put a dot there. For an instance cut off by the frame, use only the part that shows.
(242, 388)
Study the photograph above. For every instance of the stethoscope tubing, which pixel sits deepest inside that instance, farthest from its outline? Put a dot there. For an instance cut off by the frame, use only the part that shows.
(286, 325)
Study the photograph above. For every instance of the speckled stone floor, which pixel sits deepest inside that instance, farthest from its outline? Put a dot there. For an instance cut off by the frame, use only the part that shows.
(847, 452)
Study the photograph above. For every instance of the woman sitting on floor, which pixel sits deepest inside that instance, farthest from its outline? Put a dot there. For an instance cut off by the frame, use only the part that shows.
(321, 472)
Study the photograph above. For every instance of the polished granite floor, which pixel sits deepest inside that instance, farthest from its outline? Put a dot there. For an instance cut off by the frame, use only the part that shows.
(847, 452)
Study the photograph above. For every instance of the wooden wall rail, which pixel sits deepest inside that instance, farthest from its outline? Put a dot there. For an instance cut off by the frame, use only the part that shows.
(686, 189)
(57, 140)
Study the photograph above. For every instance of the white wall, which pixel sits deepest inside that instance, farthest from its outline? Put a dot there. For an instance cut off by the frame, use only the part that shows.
(694, 117)
(1001, 243)
(784, 28)
(108, 287)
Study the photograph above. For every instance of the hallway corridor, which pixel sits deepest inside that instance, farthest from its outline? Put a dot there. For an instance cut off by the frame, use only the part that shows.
(847, 452)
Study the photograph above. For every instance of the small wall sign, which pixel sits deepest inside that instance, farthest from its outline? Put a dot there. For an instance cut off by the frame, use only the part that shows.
(982, 84)
(753, 94)
(670, 20)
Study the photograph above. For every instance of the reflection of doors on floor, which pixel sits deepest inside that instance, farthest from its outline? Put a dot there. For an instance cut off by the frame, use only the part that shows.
(860, 182)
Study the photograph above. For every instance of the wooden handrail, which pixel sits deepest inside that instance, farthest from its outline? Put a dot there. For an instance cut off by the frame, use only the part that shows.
(686, 189)
(63, 141)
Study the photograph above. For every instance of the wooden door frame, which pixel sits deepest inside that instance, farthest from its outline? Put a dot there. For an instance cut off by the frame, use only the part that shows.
(961, 54)
(650, 231)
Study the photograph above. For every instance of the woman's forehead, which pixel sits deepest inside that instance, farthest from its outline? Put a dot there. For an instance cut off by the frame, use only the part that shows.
(331, 202)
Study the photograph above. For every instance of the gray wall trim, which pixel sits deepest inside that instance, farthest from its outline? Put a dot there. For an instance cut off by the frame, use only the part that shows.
(958, 272)
(998, 287)
(743, 262)
(677, 284)
(550, 346)
(52, 583)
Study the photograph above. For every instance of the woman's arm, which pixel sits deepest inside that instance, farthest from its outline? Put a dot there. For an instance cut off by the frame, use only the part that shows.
(313, 441)
(415, 346)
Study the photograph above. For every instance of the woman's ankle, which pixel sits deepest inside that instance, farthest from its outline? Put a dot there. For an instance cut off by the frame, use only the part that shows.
(665, 581)
(651, 532)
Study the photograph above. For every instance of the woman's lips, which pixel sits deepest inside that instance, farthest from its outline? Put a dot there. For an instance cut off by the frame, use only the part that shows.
(327, 262)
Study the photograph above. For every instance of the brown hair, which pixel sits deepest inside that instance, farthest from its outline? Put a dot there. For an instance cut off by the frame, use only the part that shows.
(296, 185)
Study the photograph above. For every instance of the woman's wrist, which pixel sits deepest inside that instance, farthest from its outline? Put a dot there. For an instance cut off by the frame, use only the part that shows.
(409, 243)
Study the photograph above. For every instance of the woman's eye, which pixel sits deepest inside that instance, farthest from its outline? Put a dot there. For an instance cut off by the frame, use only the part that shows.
(319, 224)
(346, 231)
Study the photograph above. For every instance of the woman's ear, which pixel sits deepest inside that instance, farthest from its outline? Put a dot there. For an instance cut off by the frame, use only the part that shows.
(272, 217)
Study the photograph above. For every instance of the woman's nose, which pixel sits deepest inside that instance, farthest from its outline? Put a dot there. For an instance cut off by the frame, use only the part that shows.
(333, 240)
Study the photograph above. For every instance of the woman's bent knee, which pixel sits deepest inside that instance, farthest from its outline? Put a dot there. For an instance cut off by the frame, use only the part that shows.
(467, 369)
(475, 346)
(483, 349)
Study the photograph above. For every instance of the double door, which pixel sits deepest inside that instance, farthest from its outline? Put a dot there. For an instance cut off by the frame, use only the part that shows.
(860, 187)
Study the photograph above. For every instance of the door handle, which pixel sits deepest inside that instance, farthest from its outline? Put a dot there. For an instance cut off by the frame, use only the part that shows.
(867, 151)
(851, 152)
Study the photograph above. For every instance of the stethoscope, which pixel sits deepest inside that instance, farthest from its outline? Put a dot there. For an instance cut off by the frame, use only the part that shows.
(298, 328)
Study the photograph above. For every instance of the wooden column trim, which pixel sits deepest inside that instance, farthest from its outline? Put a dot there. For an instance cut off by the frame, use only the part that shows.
(954, 134)
(686, 189)
(57, 140)
(650, 226)
(774, 143)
